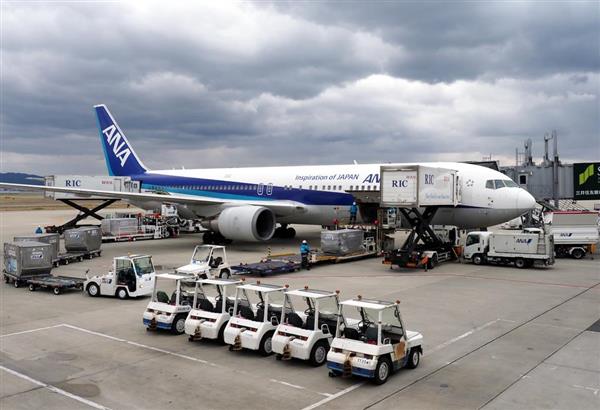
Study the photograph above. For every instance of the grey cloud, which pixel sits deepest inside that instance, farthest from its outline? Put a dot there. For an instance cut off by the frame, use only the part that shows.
(289, 83)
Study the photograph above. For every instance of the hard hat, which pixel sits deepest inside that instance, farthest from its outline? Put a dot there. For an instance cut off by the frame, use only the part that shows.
(304, 241)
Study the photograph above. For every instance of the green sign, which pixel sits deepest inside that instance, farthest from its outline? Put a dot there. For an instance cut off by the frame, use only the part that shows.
(586, 180)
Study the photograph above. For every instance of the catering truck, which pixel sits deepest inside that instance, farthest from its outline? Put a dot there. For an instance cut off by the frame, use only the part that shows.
(575, 232)
(521, 248)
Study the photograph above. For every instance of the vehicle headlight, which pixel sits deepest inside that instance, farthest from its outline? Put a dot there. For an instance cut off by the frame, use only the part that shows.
(141, 285)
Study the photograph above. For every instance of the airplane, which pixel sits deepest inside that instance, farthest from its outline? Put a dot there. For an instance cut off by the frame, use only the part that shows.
(248, 204)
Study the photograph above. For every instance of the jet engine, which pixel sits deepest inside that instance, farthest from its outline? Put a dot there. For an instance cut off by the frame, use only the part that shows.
(244, 223)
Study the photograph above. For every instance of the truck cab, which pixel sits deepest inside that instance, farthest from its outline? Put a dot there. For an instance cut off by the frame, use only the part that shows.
(476, 245)
(257, 310)
(307, 334)
(130, 276)
(169, 312)
(377, 346)
(211, 308)
(208, 262)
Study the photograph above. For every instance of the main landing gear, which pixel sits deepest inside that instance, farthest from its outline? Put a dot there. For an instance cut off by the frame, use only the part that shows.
(284, 232)
(215, 238)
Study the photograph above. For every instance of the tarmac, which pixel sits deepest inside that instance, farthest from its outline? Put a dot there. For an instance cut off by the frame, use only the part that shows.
(494, 337)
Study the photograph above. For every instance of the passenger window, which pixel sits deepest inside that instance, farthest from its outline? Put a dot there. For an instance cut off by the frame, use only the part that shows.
(362, 188)
(340, 188)
(489, 184)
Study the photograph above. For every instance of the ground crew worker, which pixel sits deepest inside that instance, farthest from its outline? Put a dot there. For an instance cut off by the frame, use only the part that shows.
(304, 253)
(39, 230)
(353, 212)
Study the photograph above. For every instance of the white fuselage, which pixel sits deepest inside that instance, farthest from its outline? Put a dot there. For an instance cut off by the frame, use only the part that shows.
(325, 192)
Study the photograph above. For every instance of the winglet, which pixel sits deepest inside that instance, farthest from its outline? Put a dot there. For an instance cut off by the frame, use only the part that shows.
(121, 159)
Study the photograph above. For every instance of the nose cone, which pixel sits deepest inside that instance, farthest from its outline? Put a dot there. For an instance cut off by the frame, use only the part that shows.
(525, 201)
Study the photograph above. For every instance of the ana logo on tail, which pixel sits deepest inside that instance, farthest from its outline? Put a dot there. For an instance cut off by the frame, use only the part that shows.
(114, 139)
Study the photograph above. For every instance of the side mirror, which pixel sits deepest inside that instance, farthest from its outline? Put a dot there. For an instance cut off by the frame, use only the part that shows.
(230, 311)
(274, 321)
(325, 329)
(387, 341)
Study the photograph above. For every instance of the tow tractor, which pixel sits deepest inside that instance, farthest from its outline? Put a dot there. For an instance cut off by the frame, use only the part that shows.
(208, 261)
(258, 308)
(379, 346)
(211, 309)
(169, 313)
(307, 336)
(131, 276)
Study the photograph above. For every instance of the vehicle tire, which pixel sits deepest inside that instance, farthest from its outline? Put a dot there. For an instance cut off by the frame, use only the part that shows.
(167, 233)
(477, 259)
(318, 354)
(221, 337)
(31, 287)
(178, 326)
(6, 279)
(56, 291)
(80, 258)
(265, 348)
(520, 263)
(93, 290)
(122, 293)
(383, 370)
(56, 264)
(414, 357)
(16, 283)
(577, 253)
(225, 274)
(66, 261)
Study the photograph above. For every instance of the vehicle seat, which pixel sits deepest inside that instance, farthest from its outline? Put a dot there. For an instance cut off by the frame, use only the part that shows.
(173, 298)
(351, 333)
(310, 322)
(294, 319)
(205, 304)
(371, 333)
(162, 297)
(246, 312)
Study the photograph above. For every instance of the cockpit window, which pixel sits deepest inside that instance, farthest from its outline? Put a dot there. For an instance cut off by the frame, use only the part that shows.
(500, 183)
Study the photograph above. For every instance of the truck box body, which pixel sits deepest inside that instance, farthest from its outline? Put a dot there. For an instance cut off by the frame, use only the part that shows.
(573, 227)
(83, 239)
(103, 183)
(417, 186)
(27, 258)
(52, 239)
(119, 226)
(342, 241)
(523, 243)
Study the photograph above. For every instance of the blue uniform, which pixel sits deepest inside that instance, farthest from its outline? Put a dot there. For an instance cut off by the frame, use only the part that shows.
(304, 248)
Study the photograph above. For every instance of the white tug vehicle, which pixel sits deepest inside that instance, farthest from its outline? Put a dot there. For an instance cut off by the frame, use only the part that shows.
(378, 346)
(131, 276)
(211, 309)
(169, 313)
(207, 262)
(308, 335)
(258, 309)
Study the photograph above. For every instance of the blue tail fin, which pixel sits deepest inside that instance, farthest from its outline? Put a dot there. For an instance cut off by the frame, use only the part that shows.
(121, 159)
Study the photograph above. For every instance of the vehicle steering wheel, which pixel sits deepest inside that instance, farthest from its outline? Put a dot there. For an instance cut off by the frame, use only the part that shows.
(309, 311)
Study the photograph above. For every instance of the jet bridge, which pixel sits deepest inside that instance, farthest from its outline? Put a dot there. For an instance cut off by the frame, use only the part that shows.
(417, 192)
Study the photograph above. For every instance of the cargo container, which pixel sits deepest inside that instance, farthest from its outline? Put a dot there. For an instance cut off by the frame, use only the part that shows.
(25, 259)
(52, 239)
(83, 239)
(120, 226)
(342, 241)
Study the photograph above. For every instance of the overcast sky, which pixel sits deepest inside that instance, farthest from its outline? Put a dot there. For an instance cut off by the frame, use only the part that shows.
(215, 84)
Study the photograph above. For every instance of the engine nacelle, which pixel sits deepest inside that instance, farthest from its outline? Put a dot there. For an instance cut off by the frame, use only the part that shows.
(244, 223)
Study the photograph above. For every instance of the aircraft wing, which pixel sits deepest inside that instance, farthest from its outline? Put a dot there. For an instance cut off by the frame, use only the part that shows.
(281, 208)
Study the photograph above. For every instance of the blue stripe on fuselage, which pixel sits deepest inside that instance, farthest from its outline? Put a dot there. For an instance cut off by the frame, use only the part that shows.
(231, 190)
